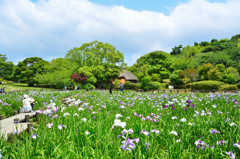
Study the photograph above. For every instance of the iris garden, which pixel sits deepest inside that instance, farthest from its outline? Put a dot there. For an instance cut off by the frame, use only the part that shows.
(130, 125)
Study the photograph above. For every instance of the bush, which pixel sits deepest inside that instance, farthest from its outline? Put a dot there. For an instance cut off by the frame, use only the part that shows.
(105, 86)
(9, 82)
(231, 79)
(188, 86)
(155, 78)
(153, 86)
(88, 86)
(165, 85)
(145, 81)
(228, 87)
(116, 83)
(206, 85)
(179, 87)
(174, 78)
(132, 86)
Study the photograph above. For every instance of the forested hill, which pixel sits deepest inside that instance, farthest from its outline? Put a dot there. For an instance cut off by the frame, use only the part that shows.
(226, 51)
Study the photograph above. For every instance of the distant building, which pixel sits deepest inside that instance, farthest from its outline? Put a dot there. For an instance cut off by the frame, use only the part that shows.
(127, 76)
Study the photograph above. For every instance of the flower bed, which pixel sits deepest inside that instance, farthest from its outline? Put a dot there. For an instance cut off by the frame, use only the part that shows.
(134, 125)
(12, 102)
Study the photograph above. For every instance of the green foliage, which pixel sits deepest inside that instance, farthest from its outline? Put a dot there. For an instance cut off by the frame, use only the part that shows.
(116, 83)
(174, 78)
(206, 85)
(188, 86)
(214, 74)
(95, 53)
(234, 71)
(132, 86)
(203, 70)
(6, 68)
(153, 86)
(88, 86)
(155, 78)
(228, 87)
(105, 86)
(165, 85)
(231, 79)
(27, 70)
(144, 82)
(176, 50)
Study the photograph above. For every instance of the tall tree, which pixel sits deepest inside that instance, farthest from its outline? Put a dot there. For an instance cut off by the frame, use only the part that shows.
(95, 53)
(27, 70)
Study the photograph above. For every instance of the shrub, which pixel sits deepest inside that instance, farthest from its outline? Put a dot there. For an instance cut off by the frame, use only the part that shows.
(187, 86)
(116, 83)
(126, 84)
(132, 86)
(153, 86)
(88, 86)
(179, 87)
(155, 78)
(231, 79)
(206, 85)
(238, 86)
(175, 79)
(105, 86)
(228, 87)
(165, 85)
(145, 81)
(9, 82)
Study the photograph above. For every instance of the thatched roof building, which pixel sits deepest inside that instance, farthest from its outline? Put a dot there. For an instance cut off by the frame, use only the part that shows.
(127, 76)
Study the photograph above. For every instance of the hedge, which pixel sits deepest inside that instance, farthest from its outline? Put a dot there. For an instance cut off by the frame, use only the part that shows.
(206, 85)
(153, 86)
(129, 85)
(228, 87)
(165, 85)
(179, 86)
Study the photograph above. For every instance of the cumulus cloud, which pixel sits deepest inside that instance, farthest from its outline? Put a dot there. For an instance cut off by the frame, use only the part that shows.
(50, 28)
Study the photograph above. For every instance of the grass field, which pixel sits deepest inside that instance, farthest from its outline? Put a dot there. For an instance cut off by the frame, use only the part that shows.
(22, 86)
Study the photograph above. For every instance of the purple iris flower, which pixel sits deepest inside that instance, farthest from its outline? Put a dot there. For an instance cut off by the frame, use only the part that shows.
(192, 105)
(185, 108)
(237, 145)
(34, 136)
(221, 142)
(147, 144)
(213, 131)
(128, 145)
(230, 154)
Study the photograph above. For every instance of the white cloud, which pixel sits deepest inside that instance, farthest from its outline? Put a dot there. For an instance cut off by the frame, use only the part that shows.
(50, 28)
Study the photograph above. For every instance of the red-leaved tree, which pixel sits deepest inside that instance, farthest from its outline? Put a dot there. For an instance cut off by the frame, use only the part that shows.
(79, 78)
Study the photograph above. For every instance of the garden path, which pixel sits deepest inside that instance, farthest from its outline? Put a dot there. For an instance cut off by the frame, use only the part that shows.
(7, 125)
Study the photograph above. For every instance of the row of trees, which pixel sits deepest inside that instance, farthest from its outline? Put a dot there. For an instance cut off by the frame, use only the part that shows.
(215, 60)
(95, 63)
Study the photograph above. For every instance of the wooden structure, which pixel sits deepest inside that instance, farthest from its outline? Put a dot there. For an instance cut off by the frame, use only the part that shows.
(127, 76)
(7, 126)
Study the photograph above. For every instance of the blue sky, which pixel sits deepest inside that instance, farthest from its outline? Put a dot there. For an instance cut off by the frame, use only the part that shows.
(49, 28)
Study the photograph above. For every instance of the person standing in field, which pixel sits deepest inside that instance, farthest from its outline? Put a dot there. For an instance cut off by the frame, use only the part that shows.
(121, 87)
(110, 87)
(65, 87)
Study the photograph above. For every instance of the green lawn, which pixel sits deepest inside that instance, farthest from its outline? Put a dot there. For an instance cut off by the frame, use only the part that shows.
(166, 80)
(22, 86)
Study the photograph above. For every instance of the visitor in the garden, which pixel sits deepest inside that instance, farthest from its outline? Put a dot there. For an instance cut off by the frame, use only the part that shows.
(110, 87)
(65, 87)
(78, 87)
(121, 87)
(75, 87)
(26, 104)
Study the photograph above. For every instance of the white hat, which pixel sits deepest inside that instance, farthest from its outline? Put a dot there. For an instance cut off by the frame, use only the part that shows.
(25, 96)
